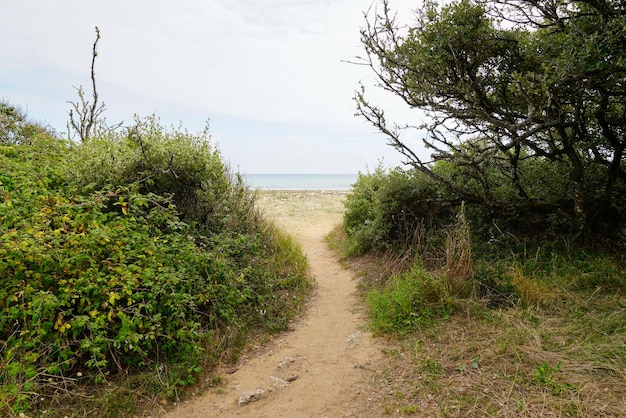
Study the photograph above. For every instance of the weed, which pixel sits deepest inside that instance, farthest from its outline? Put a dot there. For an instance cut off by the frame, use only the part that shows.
(409, 410)
(412, 300)
(545, 375)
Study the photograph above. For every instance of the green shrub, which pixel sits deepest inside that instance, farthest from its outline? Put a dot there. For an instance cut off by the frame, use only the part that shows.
(534, 206)
(166, 162)
(392, 210)
(102, 276)
(93, 285)
(412, 300)
(15, 128)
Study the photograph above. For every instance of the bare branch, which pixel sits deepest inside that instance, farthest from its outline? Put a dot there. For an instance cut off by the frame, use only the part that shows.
(85, 115)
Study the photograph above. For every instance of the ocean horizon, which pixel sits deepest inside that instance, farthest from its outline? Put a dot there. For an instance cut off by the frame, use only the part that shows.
(339, 182)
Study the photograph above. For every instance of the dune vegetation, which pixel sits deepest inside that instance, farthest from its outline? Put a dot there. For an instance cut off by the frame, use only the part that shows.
(478, 319)
(505, 275)
(130, 264)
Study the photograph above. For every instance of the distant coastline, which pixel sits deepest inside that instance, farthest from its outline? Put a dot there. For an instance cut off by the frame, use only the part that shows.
(340, 182)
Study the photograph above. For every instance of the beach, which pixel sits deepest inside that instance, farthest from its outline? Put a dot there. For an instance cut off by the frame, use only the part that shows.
(297, 209)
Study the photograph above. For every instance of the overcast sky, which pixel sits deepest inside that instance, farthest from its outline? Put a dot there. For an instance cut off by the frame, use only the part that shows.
(268, 74)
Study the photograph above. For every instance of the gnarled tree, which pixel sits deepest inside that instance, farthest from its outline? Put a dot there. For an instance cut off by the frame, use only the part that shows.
(517, 93)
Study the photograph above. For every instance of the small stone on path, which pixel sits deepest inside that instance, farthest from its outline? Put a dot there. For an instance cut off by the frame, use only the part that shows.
(251, 396)
(284, 363)
(278, 383)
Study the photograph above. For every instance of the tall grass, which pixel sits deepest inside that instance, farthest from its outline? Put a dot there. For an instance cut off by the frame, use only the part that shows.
(459, 267)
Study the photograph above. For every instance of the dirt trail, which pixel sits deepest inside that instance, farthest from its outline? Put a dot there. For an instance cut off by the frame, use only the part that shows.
(328, 350)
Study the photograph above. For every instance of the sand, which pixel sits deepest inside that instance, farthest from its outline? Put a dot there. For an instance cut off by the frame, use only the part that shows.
(317, 369)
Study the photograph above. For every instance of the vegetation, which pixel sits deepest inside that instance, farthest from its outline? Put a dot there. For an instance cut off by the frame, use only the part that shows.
(413, 300)
(500, 326)
(388, 211)
(15, 128)
(498, 267)
(524, 103)
(137, 259)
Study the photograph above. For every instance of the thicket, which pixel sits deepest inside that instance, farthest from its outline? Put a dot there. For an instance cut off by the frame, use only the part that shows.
(390, 210)
(522, 101)
(405, 215)
(522, 110)
(544, 316)
(138, 253)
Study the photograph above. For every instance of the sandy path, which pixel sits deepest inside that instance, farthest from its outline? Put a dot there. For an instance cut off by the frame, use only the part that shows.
(328, 350)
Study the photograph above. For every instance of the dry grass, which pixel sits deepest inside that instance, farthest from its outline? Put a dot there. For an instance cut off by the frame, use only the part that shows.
(459, 269)
(302, 204)
(507, 363)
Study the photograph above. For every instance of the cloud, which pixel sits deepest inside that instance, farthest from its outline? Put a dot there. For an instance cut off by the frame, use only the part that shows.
(276, 63)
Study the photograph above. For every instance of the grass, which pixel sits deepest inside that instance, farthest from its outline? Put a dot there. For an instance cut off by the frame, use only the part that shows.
(412, 300)
(524, 363)
(554, 344)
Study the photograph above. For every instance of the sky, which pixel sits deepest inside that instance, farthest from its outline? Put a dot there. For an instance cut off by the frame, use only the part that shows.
(270, 76)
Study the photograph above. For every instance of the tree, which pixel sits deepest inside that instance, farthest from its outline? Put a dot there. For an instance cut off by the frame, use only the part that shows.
(509, 86)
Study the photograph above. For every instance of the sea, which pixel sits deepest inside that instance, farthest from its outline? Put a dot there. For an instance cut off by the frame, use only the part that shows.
(340, 182)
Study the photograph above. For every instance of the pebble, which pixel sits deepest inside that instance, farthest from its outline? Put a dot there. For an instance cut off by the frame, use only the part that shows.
(251, 396)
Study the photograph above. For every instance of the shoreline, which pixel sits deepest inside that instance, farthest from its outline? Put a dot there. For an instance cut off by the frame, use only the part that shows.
(318, 191)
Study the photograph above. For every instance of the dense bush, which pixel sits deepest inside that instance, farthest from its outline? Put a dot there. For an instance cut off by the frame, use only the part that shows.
(120, 256)
(497, 257)
(493, 197)
(391, 209)
(169, 162)
(526, 108)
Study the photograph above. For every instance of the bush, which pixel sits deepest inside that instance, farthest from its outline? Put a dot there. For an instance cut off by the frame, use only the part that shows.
(15, 128)
(103, 274)
(492, 198)
(93, 285)
(169, 162)
(392, 210)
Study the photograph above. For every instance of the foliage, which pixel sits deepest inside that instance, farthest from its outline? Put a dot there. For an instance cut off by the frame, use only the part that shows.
(474, 253)
(524, 99)
(414, 299)
(524, 115)
(169, 162)
(15, 128)
(547, 326)
(546, 376)
(113, 275)
(392, 210)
